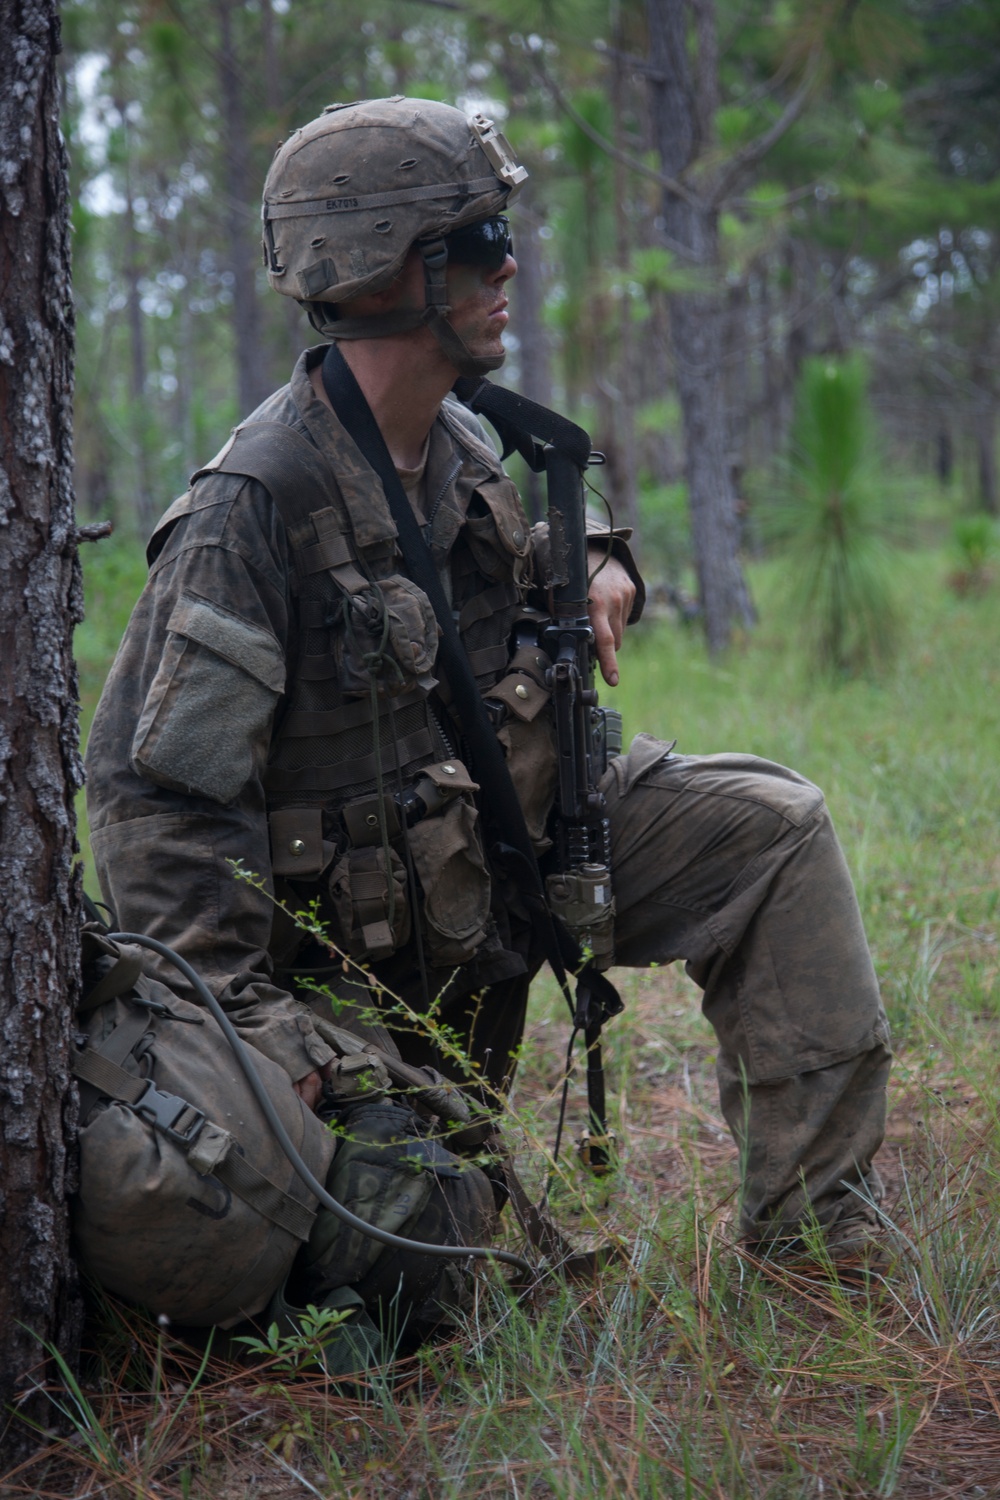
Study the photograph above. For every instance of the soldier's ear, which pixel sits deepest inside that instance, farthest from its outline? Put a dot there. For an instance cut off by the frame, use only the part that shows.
(400, 295)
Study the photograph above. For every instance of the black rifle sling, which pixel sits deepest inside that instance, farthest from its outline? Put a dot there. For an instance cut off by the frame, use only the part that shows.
(596, 996)
(520, 423)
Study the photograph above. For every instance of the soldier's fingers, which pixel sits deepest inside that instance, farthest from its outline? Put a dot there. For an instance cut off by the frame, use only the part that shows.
(309, 1089)
(604, 644)
(612, 590)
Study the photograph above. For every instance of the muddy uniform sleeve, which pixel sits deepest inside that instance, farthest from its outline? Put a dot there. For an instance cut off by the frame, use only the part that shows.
(178, 748)
(597, 537)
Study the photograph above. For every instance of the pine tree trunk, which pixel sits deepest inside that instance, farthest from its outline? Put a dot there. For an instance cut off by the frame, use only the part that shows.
(146, 507)
(40, 599)
(697, 325)
(984, 422)
(624, 420)
(985, 428)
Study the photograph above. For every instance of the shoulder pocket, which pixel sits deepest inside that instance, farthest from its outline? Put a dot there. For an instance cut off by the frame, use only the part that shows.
(208, 711)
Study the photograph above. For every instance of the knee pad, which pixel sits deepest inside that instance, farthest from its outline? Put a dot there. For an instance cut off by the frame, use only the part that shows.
(393, 1175)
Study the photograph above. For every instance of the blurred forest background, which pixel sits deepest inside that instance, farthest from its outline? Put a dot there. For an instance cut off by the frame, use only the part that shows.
(739, 210)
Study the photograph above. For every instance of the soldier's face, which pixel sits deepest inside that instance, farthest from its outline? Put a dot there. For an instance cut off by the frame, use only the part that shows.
(477, 296)
(478, 300)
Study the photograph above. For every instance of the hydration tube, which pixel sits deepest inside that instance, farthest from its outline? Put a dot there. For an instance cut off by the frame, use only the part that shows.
(242, 1054)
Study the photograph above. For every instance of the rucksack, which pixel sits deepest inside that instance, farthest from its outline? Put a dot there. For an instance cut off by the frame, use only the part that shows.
(186, 1203)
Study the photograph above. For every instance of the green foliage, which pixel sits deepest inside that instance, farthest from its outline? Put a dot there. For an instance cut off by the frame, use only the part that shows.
(916, 811)
(877, 107)
(833, 520)
(665, 522)
(114, 575)
(302, 1346)
(734, 124)
(653, 271)
(582, 152)
(975, 539)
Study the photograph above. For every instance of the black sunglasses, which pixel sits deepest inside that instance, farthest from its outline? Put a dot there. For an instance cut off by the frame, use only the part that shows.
(486, 243)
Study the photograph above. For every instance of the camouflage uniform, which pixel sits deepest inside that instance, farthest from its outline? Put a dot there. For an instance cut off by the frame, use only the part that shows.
(219, 718)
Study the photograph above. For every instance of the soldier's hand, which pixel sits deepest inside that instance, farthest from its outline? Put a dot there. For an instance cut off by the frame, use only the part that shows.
(610, 601)
(310, 1088)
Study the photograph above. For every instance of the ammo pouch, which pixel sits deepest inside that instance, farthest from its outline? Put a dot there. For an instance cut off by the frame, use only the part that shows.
(186, 1202)
(448, 858)
(392, 619)
(527, 733)
(372, 918)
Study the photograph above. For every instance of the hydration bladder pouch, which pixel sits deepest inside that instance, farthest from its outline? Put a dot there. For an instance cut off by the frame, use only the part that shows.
(187, 1204)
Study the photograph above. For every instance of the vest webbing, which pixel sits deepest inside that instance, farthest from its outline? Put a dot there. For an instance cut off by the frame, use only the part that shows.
(306, 494)
(501, 807)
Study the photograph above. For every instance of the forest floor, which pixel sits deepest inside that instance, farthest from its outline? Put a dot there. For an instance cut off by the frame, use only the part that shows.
(688, 1369)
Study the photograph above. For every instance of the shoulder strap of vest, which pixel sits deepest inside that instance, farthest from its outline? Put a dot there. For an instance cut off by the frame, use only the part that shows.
(288, 465)
(306, 493)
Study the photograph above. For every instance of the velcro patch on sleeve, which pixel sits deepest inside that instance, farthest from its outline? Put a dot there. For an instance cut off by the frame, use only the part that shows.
(248, 646)
(207, 716)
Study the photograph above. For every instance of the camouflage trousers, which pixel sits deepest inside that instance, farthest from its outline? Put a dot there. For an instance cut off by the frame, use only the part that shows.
(731, 863)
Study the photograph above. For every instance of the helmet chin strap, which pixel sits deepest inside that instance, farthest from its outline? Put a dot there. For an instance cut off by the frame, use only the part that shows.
(434, 314)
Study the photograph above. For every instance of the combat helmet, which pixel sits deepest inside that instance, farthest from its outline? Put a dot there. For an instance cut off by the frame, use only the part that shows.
(350, 193)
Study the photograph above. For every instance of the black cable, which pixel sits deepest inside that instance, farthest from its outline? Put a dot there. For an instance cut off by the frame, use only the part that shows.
(242, 1054)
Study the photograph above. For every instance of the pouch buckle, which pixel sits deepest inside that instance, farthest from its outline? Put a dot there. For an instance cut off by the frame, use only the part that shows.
(165, 1110)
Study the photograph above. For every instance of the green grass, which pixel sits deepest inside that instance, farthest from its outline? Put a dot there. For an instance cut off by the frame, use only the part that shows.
(686, 1371)
(907, 759)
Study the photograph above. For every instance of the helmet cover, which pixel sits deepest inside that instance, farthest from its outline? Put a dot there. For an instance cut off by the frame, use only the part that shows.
(349, 193)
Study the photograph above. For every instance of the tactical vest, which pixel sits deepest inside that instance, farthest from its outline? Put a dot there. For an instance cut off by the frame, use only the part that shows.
(364, 715)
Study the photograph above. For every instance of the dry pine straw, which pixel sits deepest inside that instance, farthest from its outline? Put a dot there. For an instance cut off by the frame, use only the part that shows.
(245, 1434)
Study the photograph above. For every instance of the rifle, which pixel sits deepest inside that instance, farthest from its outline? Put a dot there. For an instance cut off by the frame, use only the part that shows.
(578, 889)
(521, 424)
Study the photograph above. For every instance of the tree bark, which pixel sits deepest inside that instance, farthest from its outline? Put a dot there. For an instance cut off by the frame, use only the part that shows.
(146, 506)
(696, 320)
(984, 420)
(628, 466)
(272, 71)
(40, 600)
